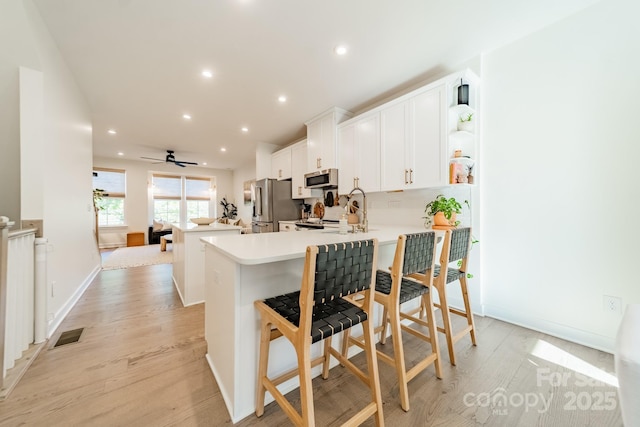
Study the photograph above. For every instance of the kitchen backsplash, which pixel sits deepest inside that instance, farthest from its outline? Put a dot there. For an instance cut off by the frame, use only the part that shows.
(407, 207)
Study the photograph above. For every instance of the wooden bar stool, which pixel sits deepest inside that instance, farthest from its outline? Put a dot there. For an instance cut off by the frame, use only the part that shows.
(415, 253)
(316, 313)
(456, 247)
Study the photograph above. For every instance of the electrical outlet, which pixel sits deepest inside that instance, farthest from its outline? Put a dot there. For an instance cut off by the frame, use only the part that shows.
(612, 304)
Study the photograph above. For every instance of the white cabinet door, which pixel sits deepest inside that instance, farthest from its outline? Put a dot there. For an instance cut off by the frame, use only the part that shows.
(393, 129)
(359, 155)
(314, 146)
(412, 142)
(347, 158)
(322, 138)
(368, 153)
(281, 164)
(298, 169)
(426, 154)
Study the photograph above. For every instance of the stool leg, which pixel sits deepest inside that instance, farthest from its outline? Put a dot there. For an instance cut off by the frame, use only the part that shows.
(385, 322)
(306, 392)
(263, 363)
(398, 356)
(467, 308)
(345, 344)
(427, 303)
(372, 368)
(327, 358)
(446, 318)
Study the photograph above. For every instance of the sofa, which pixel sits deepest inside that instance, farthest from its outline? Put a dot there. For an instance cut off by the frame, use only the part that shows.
(154, 236)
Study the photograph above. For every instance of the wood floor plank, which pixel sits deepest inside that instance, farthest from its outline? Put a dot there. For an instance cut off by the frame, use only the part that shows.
(141, 361)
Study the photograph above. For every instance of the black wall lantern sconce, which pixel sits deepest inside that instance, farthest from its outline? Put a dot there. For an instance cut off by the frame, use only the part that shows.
(463, 93)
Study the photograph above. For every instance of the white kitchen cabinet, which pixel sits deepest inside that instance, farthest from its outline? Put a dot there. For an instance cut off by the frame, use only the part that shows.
(413, 153)
(281, 164)
(298, 169)
(322, 137)
(359, 154)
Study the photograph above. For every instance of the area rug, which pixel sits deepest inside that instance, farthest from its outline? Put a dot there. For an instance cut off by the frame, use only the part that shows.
(137, 256)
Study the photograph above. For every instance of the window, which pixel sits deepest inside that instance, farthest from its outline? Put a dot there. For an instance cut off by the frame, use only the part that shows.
(112, 182)
(198, 197)
(178, 198)
(167, 194)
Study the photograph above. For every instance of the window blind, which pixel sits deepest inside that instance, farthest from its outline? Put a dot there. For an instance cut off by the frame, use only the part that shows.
(197, 188)
(112, 181)
(167, 187)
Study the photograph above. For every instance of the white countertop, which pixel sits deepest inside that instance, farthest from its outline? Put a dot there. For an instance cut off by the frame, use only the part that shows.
(262, 248)
(190, 227)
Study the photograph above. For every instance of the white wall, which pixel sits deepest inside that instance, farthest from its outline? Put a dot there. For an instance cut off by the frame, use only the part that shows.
(61, 193)
(16, 49)
(559, 176)
(138, 210)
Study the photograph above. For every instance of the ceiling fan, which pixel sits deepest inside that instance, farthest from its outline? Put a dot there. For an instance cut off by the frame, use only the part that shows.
(170, 158)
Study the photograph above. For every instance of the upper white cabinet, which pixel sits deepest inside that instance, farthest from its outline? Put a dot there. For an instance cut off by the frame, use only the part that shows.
(281, 164)
(359, 154)
(413, 143)
(298, 169)
(321, 139)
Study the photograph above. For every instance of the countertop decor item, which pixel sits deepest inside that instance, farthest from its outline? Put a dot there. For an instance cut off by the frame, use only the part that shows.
(202, 221)
(318, 209)
(466, 123)
(441, 212)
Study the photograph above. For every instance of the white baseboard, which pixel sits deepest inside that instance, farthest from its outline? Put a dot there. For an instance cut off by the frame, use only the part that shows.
(71, 302)
(586, 338)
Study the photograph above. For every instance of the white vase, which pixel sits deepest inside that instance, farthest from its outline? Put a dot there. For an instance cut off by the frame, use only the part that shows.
(468, 126)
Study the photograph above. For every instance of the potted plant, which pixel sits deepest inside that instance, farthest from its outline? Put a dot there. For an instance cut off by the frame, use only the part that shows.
(466, 122)
(442, 212)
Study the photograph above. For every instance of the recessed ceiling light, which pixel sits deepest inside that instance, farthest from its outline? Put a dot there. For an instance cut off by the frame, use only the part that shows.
(223, 149)
(120, 153)
(204, 163)
(282, 98)
(206, 73)
(340, 50)
(245, 129)
(112, 132)
(186, 116)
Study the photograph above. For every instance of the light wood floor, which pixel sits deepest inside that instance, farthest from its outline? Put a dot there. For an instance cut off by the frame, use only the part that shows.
(140, 362)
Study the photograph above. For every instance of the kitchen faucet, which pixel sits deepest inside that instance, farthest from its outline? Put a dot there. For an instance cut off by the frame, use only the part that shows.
(364, 226)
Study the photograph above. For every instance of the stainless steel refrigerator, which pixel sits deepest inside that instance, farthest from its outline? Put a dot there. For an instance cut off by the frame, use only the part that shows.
(272, 203)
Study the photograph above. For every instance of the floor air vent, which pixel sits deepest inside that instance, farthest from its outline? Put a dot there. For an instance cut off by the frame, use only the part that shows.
(69, 337)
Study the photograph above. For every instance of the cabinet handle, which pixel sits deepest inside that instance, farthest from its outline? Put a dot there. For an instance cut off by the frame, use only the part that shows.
(357, 182)
(279, 173)
(354, 182)
(406, 181)
(319, 162)
(299, 191)
(410, 176)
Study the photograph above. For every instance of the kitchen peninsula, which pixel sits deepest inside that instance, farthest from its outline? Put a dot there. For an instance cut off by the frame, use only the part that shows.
(188, 257)
(242, 269)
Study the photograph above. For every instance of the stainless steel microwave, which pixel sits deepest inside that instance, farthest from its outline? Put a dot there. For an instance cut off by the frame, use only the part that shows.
(321, 179)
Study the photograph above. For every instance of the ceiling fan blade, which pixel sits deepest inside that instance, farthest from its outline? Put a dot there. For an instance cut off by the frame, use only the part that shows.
(180, 164)
(186, 163)
(152, 158)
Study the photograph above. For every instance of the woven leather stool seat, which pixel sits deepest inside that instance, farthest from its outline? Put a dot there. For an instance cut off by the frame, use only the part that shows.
(409, 289)
(328, 319)
(453, 274)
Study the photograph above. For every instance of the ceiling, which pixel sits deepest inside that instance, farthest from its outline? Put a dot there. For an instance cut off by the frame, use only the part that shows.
(139, 63)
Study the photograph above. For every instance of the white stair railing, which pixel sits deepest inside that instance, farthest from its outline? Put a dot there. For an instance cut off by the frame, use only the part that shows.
(22, 293)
